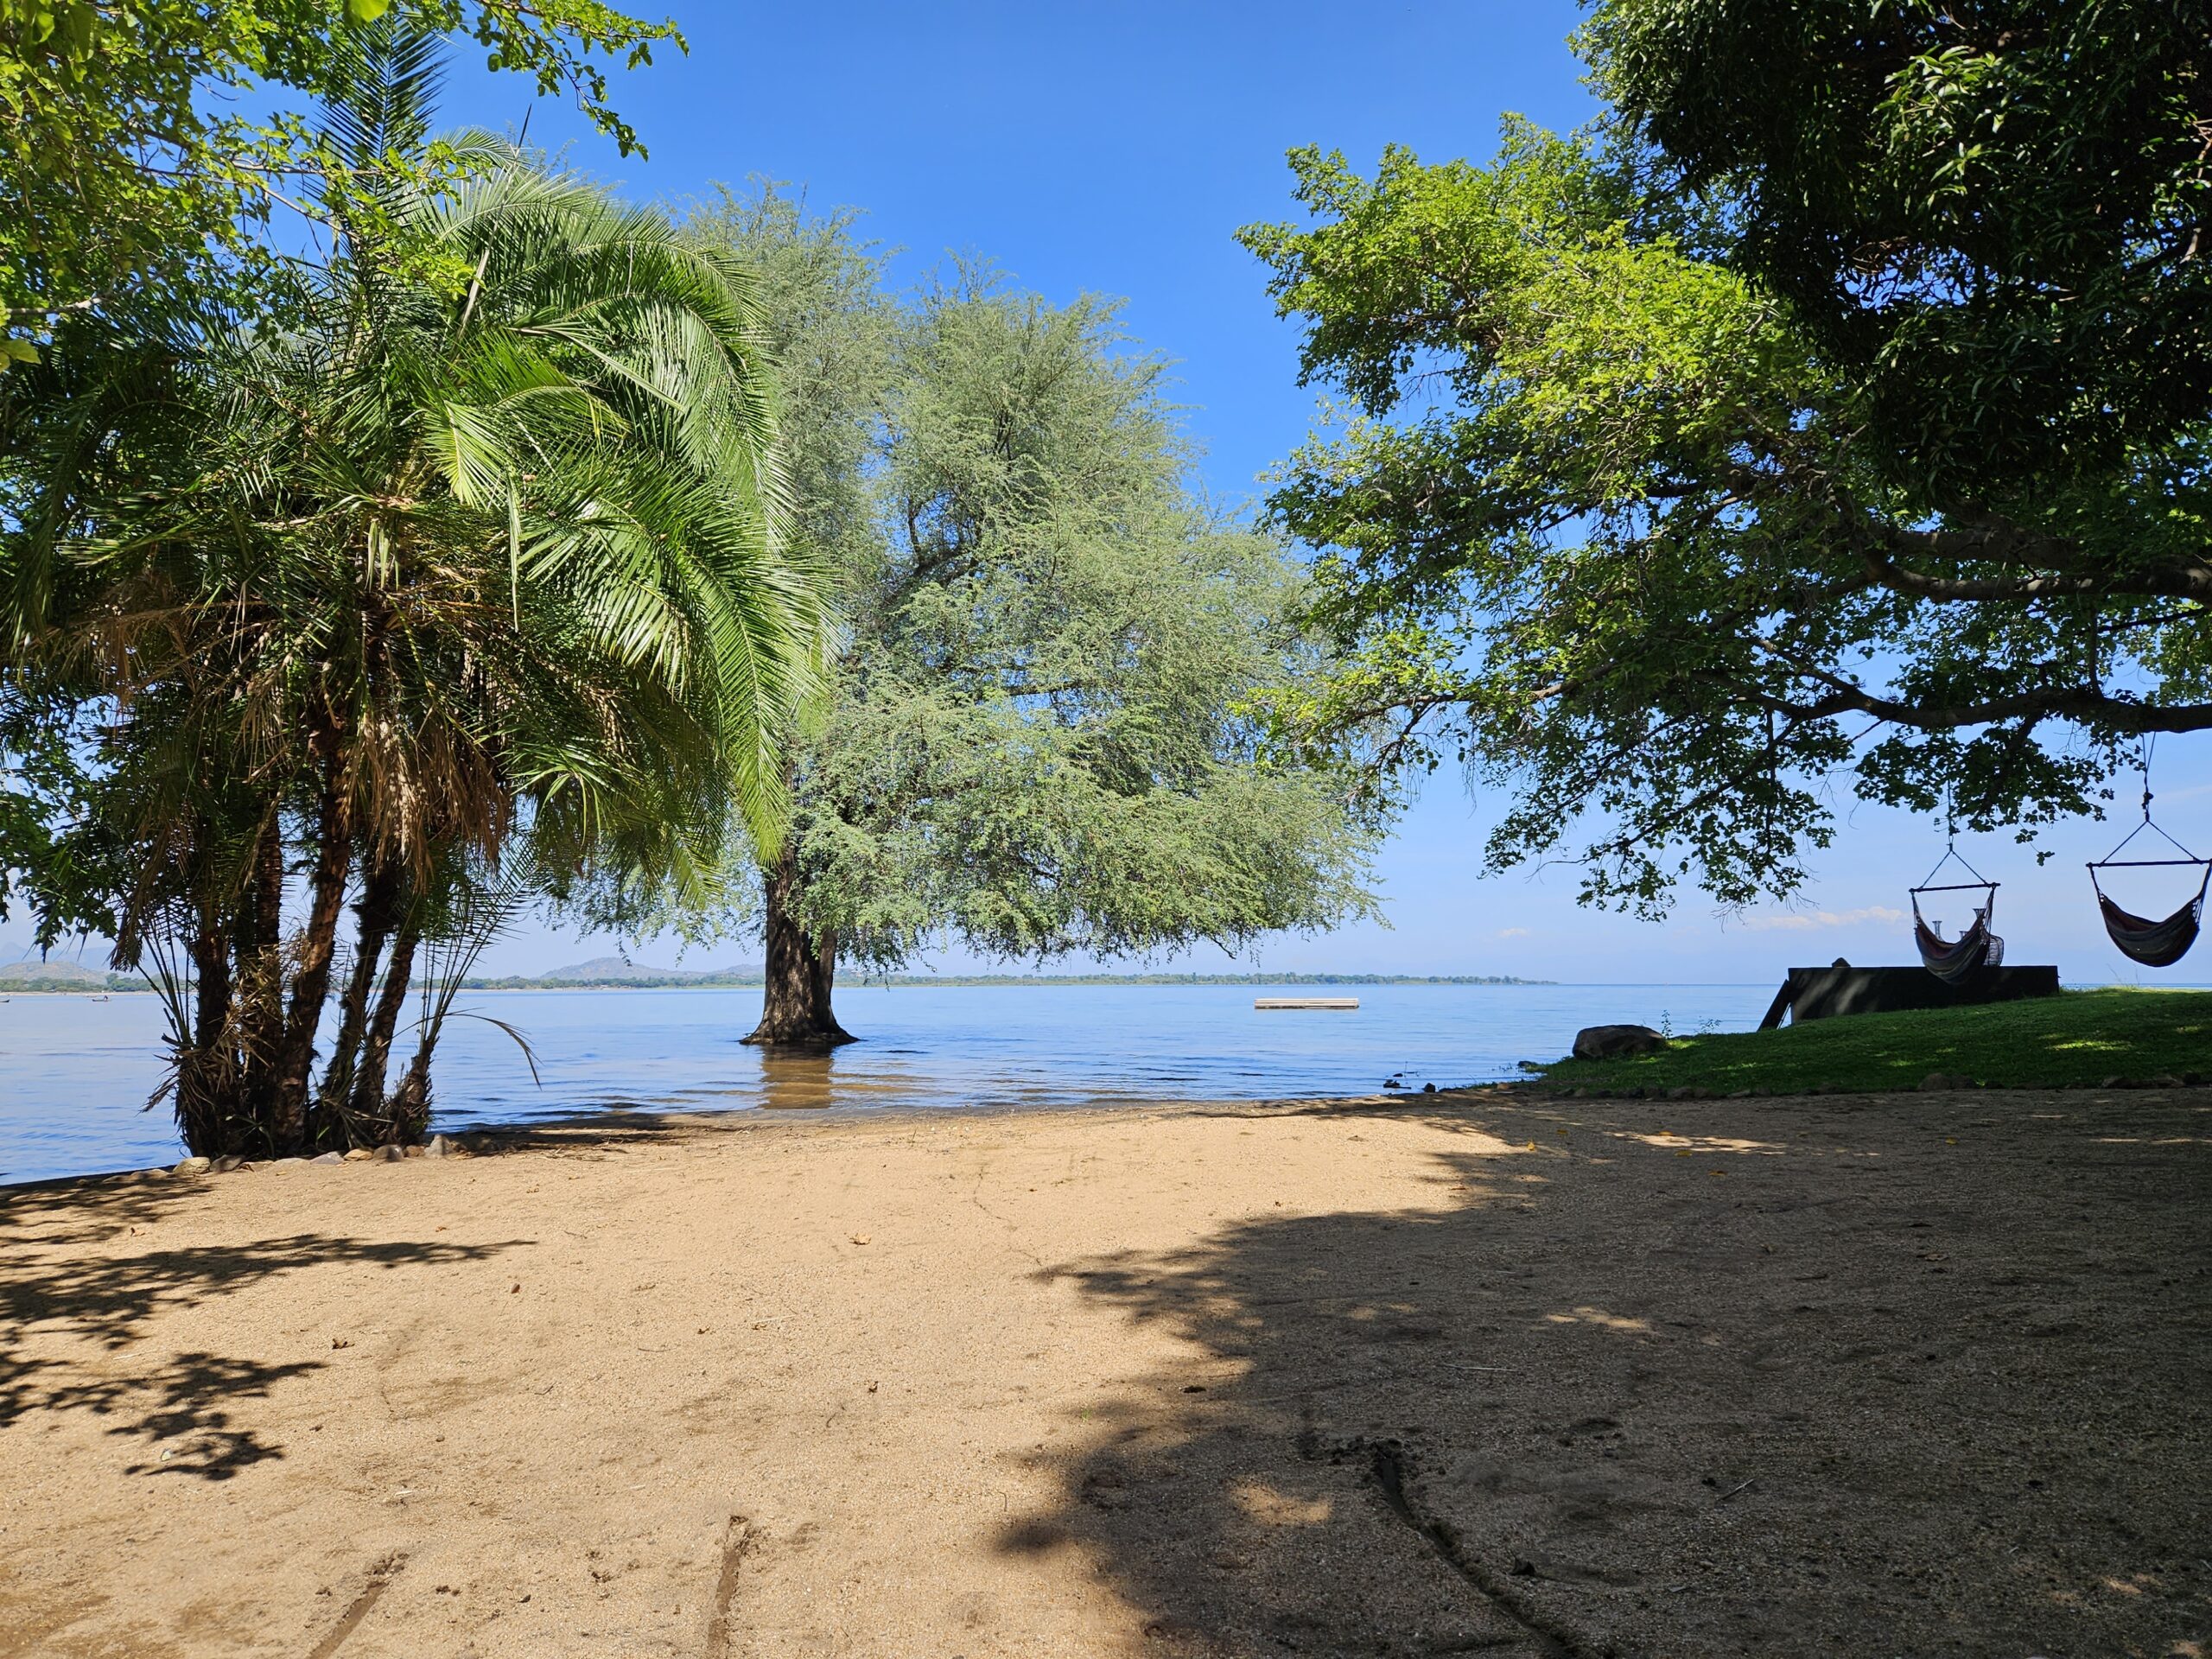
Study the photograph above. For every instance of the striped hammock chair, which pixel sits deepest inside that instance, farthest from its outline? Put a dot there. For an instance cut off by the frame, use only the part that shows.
(1955, 961)
(2154, 944)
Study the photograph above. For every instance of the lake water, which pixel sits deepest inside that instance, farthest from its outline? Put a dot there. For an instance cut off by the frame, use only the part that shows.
(75, 1073)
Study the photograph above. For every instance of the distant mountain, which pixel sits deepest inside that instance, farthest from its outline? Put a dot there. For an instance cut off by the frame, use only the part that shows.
(613, 970)
(51, 975)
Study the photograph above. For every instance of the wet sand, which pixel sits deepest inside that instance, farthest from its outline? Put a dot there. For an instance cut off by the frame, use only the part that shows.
(1458, 1374)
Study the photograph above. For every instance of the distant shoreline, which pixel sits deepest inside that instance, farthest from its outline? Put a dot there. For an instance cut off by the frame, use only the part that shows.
(754, 981)
(121, 985)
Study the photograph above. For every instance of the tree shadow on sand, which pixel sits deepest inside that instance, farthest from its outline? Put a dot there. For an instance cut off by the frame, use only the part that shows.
(73, 1305)
(1795, 1383)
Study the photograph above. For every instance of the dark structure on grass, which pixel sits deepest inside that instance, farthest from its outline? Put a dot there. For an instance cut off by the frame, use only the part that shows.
(1828, 992)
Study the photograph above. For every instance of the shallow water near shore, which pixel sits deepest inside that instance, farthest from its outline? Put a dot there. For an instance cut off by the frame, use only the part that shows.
(74, 1072)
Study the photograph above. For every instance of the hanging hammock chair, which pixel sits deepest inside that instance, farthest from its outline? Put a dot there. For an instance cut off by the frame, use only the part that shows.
(1953, 961)
(2154, 944)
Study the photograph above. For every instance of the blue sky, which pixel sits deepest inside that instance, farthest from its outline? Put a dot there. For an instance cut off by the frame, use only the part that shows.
(1115, 148)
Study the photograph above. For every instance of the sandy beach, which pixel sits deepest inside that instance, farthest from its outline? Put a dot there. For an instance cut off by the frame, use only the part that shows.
(1462, 1373)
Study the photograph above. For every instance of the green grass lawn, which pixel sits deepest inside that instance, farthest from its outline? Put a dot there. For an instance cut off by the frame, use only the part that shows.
(2076, 1038)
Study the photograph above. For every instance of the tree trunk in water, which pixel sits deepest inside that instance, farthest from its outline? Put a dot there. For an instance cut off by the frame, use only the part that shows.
(366, 1110)
(377, 910)
(802, 970)
(311, 973)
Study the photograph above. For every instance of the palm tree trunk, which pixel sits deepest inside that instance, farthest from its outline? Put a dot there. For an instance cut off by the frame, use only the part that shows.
(311, 972)
(366, 1110)
(410, 1106)
(802, 971)
(259, 986)
(206, 1070)
(375, 916)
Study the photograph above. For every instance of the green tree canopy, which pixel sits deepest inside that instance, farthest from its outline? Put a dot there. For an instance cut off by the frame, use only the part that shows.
(1997, 217)
(130, 167)
(1662, 510)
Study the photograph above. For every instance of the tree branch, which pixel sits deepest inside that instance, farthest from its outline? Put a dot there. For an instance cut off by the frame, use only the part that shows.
(1999, 544)
(2086, 705)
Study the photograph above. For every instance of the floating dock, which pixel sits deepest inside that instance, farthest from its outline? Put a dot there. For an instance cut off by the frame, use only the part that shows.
(1306, 1002)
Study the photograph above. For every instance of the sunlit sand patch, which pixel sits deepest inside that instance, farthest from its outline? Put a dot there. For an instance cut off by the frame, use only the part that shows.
(1273, 1507)
(1597, 1316)
(1688, 1144)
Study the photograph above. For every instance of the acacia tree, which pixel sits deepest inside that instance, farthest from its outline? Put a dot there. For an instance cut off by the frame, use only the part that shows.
(1034, 742)
(1840, 405)
(426, 596)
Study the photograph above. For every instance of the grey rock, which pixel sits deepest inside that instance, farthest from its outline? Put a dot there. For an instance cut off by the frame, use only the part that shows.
(192, 1166)
(1606, 1042)
(225, 1165)
(389, 1155)
(1935, 1080)
(328, 1158)
(1683, 1092)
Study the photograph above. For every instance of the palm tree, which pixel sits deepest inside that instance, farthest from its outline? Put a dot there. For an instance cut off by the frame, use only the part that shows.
(471, 544)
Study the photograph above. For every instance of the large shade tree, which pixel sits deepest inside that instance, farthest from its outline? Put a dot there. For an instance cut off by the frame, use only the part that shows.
(428, 596)
(1837, 406)
(1039, 741)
